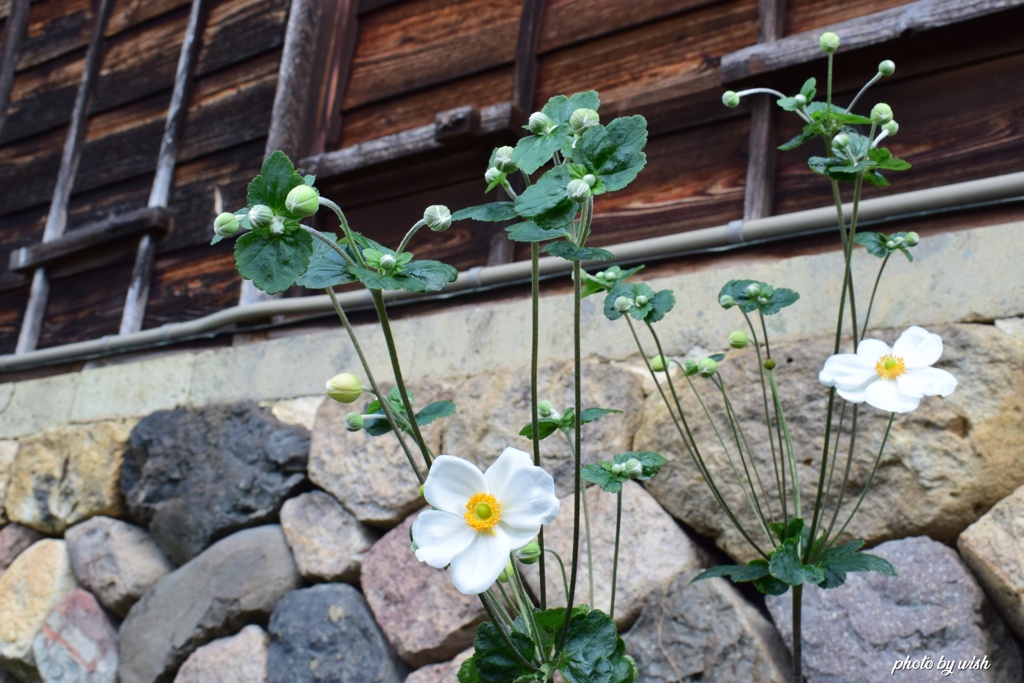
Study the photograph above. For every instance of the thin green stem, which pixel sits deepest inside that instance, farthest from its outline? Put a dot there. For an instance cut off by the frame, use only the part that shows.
(329, 242)
(408, 236)
(863, 90)
(790, 455)
(798, 599)
(324, 201)
(529, 617)
(586, 524)
(506, 607)
(485, 600)
(561, 565)
(615, 553)
(779, 471)
(871, 301)
(534, 365)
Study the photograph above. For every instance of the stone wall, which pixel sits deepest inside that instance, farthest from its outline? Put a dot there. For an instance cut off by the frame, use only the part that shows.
(201, 517)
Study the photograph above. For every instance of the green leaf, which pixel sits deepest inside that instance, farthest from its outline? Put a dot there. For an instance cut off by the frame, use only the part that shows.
(468, 672)
(777, 298)
(275, 181)
(885, 160)
(739, 573)
(655, 308)
(489, 213)
(534, 151)
(661, 304)
(560, 107)
(808, 90)
(785, 565)
(840, 559)
(594, 651)
(806, 134)
(874, 242)
(546, 426)
(769, 585)
(788, 103)
(435, 411)
(601, 474)
(614, 153)
(531, 232)
(651, 462)
(591, 414)
(432, 276)
(326, 267)
(494, 662)
(546, 202)
(273, 262)
(614, 276)
(570, 252)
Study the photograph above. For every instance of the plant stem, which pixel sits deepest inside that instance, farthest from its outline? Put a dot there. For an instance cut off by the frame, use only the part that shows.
(615, 554)
(871, 301)
(485, 600)
(408, 236)
(324, 201)
(798, 595)
(534, 364)
(586, 525)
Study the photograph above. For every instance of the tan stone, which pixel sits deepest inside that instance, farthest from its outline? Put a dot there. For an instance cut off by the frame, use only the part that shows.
(242, 658)
(494, 407)
(8, 449)
(300, 412)
(30, 588)
(993, 548)
(371, 475)
(64, 476)
(652, 551)
(327, 541)
(445, 672)
(944, 463)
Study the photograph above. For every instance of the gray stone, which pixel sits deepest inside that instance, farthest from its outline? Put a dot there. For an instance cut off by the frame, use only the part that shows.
(371, 475)
(993, 547)
(195, 476)
(944, 464)
(15, 539)
(328, 542)
(78, 644)
(495, 406)
(652, 551)
(242, 658)
(424, 618)
(237, 580)
(705, 631)
(857, 633)
(326, 633)
(115, 560)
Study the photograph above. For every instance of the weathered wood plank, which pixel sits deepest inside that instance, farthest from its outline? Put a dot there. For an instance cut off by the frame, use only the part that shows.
(80, 306)
(191, 283)
(881, 27)
(760, 187)
(421, 43)
(524, 80)
(13, 32)
(808, 15)
(112, 229)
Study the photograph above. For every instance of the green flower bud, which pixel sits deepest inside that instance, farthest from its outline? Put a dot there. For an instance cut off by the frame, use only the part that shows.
(503, 160)
(618, 468)
(912, 239)
(633, 468)
(277, 225)
(707, 367)
(226, 224)
(891, 127)
(508, 573)
(840, 142)
(302, 201)
(344, 388)
(762, 301)
(881, 113)
(726, 301)
(421, 495)
(541, 124)
(769, 364)
(261, 216)
(387, 263)
(437, 217)
(658, 364)
(577, 190)
(353, 422)
(529, 553)
(730, 99)
(623, 304)
(753, 290)
(887, 67)
(582, 119)
(690, 367)
(641, 300)
(829, 42)
(611, 276)
(544, 408)
(493, 175)
(800, 99)
(738, 339)
(890, 244)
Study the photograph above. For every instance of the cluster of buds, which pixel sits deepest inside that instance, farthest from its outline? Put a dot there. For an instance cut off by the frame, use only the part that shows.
(580, 189)
(632, 468)
(705, 367)
(545, 409)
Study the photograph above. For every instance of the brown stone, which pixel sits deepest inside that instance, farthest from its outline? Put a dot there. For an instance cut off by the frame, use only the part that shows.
(445, 672)
(14, 540)
(78, 644)
(242, 658)
(8, 449)
(327, 541)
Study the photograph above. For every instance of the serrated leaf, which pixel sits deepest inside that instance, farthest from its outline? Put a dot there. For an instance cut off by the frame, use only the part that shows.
(874, 242)
(309, 180)
(779, 299)
(326, 267)
(546, 202)
(839, 560)
(661, 304)
(738, 573)
(590, 414)
(769, 585)
(884, 159)
(650, 461)
(788, 103)
(785, 565)
(600, 474)
(531, 232)
(435, 411)
(808, 90)
(276, 179)
(468, 673)
(593, 649)
(560, 107)
(273, 262)
(433, 276)
(494, 663)
(489, 213)
(614, 153)
(570, 252)
(534, 151)
(806, 134)
(546, 426)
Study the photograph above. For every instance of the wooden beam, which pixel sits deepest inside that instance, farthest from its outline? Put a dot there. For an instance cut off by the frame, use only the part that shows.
(759, 192)
(524, 77)
(873, 29)
(14, 31)
(91, 236)
(56, 220)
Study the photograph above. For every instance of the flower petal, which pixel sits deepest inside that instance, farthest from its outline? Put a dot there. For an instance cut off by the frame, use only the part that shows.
(852, 395)
(477, 567)
(440, 537)
(872, 349)
(926, 382)
(528, 499)
(518, 536)
(918, 347)
(848, 371)
(885, 395)
(510, 460)
(451, 483)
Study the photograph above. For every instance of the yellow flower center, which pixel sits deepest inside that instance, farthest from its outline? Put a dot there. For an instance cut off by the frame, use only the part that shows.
(890, 367)
(482, 512)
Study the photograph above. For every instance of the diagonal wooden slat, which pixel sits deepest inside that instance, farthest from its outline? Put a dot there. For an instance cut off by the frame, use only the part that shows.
(14, 31)
(138, 290)
(524, 78)
(56, 220)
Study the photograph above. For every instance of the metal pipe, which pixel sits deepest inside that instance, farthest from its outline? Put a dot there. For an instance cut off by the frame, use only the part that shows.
(737, 233)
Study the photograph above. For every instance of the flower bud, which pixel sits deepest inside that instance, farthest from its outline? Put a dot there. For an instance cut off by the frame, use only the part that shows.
(890, 244)
(503, 160)
(437, 217)
(302, 201)
(800, 99)
(611, 276)
(738, 339)
(881, 113)
(387, 263)
(422, 488)
(540, 123)
(726, 301)
(577, 190)
(493, 175)
(353, 422)
(226, 224)
(840, 142)
(887, 67)
(658, 364)
(508, 573)
(344, 388)
(633, 468)
(641, 300)
(753, 290)
(731, 99)
(707, 367)
(891, 127)
(829, 42)
(623, 304)
(690, 367)
(912, 239)
(590, 179)
(769, 364)
(617, 468)
(529, 553)
(544, 408)
(261, 216)
(277, 225)
(582, 119)
(762, 301)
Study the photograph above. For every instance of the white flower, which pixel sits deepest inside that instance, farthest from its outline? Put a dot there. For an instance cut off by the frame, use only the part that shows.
(481, 518)
(891, 379)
